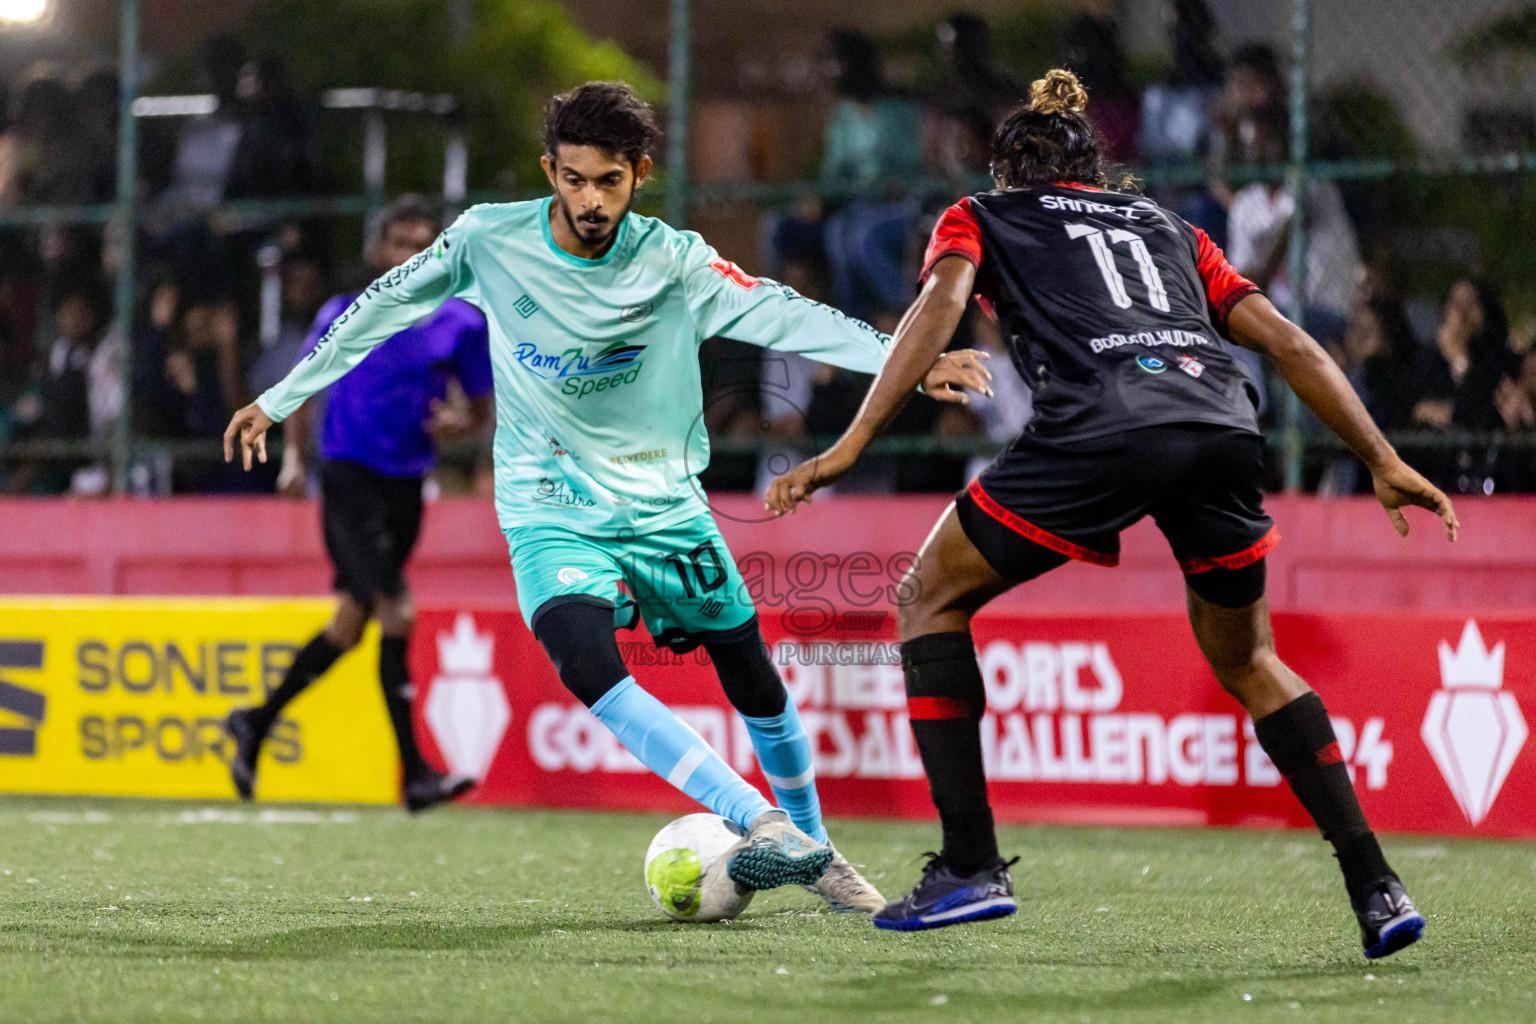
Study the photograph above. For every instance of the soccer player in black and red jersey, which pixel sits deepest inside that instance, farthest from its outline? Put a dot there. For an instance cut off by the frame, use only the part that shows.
(1115, 311)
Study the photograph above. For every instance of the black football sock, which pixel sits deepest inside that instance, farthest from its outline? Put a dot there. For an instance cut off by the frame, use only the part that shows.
(1300, 740)
(945, 701)
(395, 678)
(312, 662)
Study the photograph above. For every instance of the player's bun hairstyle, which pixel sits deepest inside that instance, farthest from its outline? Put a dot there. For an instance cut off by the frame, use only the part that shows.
(1059, 91)
(1049, 139)
(408, 209)
(604, 115)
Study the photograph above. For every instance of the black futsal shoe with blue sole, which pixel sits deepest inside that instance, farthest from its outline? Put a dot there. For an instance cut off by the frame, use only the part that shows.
(1388, 921)
(944, 897)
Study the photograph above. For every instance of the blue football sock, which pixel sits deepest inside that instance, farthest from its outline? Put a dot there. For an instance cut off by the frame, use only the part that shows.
(668, 747)
(784, 752)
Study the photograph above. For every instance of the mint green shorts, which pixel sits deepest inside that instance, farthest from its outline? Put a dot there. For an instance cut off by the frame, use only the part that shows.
(681, 580)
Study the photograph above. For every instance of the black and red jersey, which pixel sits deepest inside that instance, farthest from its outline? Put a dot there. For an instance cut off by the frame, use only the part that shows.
(1114, 309)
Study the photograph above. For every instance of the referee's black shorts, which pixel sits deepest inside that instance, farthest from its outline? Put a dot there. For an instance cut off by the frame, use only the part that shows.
(1042, 503)
(371, 522)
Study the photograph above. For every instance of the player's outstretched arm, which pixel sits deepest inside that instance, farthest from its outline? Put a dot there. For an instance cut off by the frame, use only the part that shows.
(387, 306)
(725, 302)
(920, 339)
(1317, 380)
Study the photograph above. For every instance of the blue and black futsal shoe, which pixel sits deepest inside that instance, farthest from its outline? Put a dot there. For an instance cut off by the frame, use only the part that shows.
(944, 897)
(1388, 921)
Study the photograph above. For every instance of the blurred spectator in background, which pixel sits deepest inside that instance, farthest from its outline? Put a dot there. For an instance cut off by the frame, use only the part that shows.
(1459, 376)
(42, 153)
(1176, 124)
(1516, 402)
(20, 402)
(191, 363)
(204, 368)
(1175, 110)
(20, 294)
(1516, 396)
(1091, 49)
(1253, 90)
(1379, 355)
(80, 395)
(872, 153)
(276, 155)
(157, 413)
(205, 164)
(975, 96)
(209, 165)
(96, 101)
(258, 144)
(1259, 216)
(1457, 383)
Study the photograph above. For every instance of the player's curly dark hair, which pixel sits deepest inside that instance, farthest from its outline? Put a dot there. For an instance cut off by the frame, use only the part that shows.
(605, 115)
(1049, 139)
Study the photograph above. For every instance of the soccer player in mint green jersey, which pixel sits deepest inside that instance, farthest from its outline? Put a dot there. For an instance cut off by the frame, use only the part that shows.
(595, 317)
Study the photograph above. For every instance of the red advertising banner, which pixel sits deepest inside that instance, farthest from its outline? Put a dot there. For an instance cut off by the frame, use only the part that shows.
(1103, 718)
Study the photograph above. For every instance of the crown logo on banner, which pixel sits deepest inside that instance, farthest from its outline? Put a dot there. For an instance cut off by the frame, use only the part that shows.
(1473, 727)
(467, 652)
(466, 706)
(1472, 665)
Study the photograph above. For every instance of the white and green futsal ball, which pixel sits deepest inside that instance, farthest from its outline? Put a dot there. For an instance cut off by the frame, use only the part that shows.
(677, 869)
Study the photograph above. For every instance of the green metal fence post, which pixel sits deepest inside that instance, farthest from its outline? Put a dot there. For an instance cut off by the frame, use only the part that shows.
(1297, 182)
(679, 68)
(128, 229)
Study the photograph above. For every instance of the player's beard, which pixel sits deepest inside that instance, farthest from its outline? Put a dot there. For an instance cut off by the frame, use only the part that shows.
(587, 229)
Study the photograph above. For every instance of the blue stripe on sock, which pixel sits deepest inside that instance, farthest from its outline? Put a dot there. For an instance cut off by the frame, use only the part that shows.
(667, 746)
(784, 753)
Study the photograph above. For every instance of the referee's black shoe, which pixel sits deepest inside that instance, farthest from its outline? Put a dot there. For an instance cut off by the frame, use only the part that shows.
(433, 788)
(242, 766)
(1388, 921)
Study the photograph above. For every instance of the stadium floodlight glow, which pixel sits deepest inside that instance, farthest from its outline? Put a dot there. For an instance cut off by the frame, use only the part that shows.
(23, 12)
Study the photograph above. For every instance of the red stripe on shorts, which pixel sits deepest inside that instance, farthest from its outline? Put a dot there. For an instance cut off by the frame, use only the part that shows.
(1247, 556)
(1025, 528)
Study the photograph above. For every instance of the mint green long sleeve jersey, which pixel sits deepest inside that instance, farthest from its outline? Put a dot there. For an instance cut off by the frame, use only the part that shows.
(599, 402)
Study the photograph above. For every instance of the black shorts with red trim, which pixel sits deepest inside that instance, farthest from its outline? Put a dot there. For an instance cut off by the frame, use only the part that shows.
(1041, 502)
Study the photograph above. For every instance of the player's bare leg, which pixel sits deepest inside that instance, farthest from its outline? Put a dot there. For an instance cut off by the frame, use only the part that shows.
(1292, 725)
(249, 727)
(949, 582)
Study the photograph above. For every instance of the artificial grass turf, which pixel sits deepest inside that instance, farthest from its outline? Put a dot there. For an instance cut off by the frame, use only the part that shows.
(130, 910)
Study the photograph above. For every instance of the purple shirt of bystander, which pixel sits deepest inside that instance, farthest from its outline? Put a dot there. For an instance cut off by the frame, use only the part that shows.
(376, 415)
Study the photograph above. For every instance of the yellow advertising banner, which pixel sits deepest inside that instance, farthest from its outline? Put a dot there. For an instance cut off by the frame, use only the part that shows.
(127, 697)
